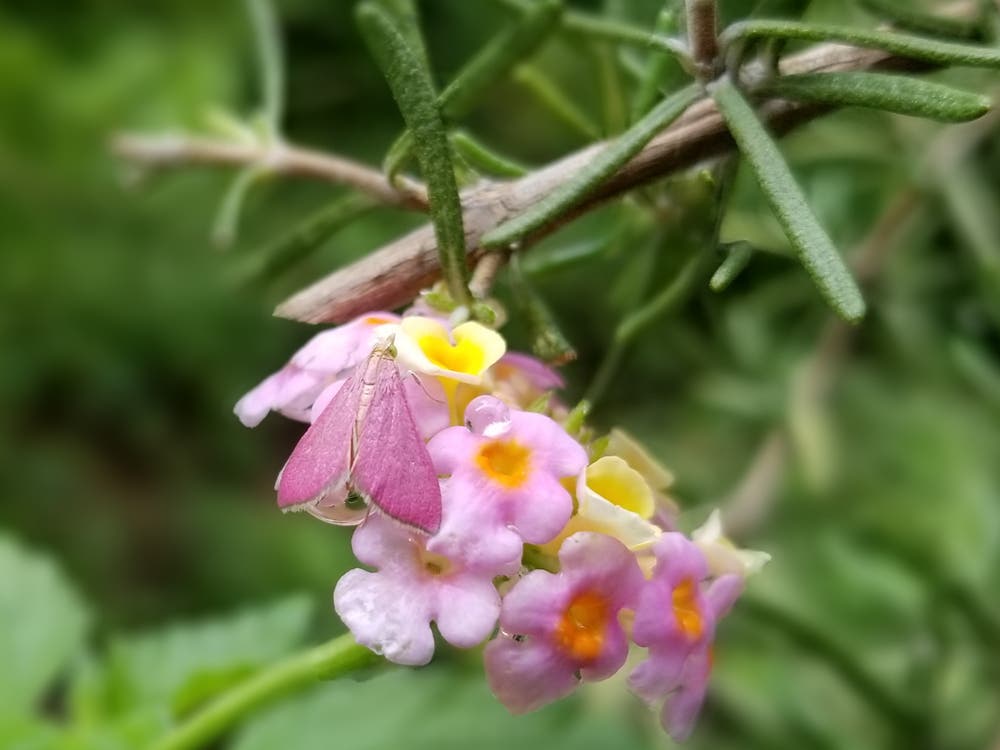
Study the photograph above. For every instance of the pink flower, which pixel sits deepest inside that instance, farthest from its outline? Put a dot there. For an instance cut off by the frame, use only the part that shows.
(521, 380)
(324, 359)
(559, 628)
(507, 469)
(676, 620)
(390, 610)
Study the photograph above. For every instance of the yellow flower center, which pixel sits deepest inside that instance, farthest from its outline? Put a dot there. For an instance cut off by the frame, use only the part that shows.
(686, 608)
(375, 320)
(581, 629)
(505, 461)
(463, 356)
(435, 565)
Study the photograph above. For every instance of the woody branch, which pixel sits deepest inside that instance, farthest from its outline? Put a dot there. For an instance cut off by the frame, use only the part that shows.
(395, 273)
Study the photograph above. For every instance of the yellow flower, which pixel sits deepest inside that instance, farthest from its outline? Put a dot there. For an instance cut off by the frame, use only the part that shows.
(425, 346)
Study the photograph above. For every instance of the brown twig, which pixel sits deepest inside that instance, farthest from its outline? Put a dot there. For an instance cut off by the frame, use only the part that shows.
(173, 151)
(394, 274)
(703, 38)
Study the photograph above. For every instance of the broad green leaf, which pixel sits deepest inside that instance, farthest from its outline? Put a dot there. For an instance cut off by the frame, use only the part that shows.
(28, 734)
(184, 664)
(894, 93)
(269, 262)
(43, 626)
(604, 164)
(410, 82)
(430, 709)
(810, 241)
(905, 45)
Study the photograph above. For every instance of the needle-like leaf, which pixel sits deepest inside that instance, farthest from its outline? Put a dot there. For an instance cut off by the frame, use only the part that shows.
(605, 164)
(811, 243)
(893, 93)
(905, 45)
(411, 86)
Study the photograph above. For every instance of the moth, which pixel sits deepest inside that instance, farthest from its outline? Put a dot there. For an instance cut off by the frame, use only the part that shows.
(364, 443)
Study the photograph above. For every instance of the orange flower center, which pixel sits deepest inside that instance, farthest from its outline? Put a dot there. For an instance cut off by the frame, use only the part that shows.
(580, 632)
(505, 461)
(463, 356)
(686, 608)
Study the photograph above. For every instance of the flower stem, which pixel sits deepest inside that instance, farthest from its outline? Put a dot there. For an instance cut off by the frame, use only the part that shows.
(332, 659)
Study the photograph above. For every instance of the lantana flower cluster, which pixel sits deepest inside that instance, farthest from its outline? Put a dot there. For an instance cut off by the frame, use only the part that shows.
(556, 547)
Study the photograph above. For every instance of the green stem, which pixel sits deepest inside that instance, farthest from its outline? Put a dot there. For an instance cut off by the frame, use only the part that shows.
(332, 659)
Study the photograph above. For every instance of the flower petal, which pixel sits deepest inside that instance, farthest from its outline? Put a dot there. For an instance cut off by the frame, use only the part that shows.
(467, 610)
(526, 675)
(535, 604)
(388, 615)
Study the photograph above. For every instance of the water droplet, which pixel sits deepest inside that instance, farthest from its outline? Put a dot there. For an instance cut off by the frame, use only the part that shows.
(487, 416)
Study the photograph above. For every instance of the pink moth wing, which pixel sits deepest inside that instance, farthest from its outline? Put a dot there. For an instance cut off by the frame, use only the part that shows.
(366, 439)
(393, 469)
(318, 468)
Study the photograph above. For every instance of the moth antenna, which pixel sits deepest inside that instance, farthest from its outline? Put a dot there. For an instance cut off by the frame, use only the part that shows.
(420, 385)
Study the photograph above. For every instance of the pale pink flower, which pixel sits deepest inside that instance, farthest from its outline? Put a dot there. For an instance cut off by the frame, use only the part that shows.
(391, 609)
(560, 628)
(508, 470)
(326, 357)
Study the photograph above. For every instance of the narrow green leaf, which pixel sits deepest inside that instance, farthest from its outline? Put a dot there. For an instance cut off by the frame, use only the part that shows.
(406, 13)
(737, 257)
(905, 45)
(603, 29)
(661, 70)
(264, 265)
(413, 91)
(604, 164)
(811, 243)
(549, 95)
(904, 15)
(44, 624)
(267, 36)
(893, 93)
(505, 50)
(484, 159)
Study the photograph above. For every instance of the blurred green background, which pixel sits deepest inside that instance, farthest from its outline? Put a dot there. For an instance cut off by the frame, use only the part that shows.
(866, 461)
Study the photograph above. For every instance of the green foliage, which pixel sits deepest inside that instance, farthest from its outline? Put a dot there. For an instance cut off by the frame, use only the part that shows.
(808, 238)
(181, 666)
(905, 45)
(414, 93)
(431, 708)
(596, 171)
(892, 93)
(44, 626)
(125, 348)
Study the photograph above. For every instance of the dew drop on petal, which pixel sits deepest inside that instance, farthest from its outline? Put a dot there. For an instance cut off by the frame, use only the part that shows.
(487, 416)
